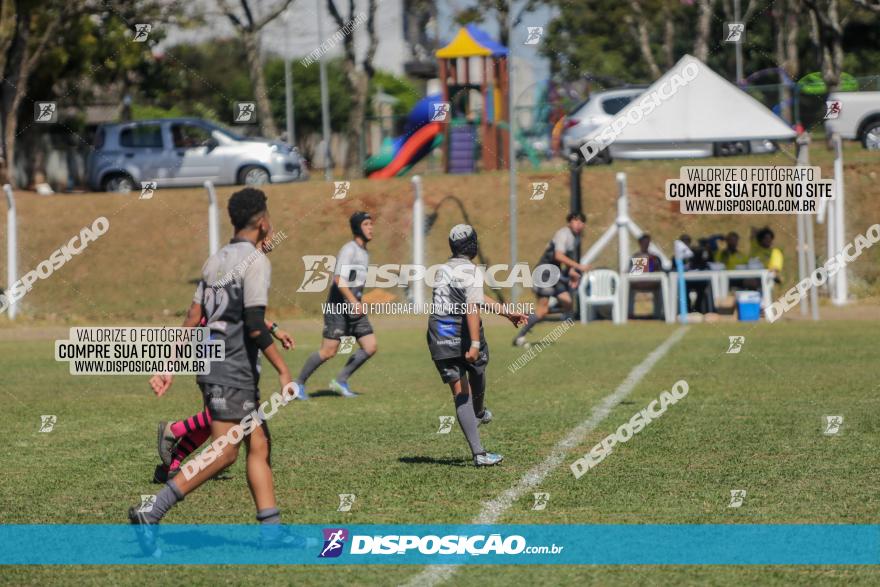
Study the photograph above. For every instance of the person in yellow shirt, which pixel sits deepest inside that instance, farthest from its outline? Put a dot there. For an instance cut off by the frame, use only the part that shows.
(764, 251)
(731, 256)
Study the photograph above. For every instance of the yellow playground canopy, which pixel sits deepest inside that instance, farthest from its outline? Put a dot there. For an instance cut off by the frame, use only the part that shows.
(472, 41)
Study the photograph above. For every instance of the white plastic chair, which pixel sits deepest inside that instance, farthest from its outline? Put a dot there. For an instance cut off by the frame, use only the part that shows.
(600, 288)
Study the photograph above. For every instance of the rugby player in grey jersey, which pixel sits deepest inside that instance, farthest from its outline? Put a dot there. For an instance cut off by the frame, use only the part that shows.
(345, 314)
(561, 251)
(456, 340)
(178, 439)
(233, 302)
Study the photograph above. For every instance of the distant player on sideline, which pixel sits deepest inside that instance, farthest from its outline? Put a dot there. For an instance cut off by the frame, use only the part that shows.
(235, 314)
(346, 315)
(561, 251)
(456, 340)
(177, 440)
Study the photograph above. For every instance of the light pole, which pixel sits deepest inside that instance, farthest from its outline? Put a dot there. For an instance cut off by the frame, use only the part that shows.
(739, 52)
(288, 87)
(511, 155)
(288, 102)
(11, 250)
(325, 100)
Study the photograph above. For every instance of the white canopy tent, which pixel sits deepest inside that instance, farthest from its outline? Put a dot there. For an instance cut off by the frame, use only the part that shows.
(696, 105)
(692, 105)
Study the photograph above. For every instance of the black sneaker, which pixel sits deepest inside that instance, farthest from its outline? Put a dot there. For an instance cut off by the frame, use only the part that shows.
(162, 474)
(165, 443)
(145, 532)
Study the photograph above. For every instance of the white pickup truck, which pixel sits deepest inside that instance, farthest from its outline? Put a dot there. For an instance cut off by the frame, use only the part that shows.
(859, 118)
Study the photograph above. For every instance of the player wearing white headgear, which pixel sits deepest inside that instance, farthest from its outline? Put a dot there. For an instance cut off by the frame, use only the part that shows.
(456, 340)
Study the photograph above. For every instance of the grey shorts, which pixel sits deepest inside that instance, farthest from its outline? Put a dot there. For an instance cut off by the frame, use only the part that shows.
(454, 369)
(229, 403)
(561, 286)
(338, 325)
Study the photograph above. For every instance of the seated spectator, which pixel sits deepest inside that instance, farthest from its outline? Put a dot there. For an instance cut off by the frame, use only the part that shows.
(713, 246)
(654, 263)
(696, 258)
(686, 239)
(701, 257)
(731, 257)
(764, 251)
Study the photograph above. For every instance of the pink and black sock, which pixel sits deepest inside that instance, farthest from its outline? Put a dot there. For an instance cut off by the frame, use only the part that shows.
(200, 421)
(188, 443)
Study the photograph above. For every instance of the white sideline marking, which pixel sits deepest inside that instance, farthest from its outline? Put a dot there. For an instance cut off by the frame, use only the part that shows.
(494, 509)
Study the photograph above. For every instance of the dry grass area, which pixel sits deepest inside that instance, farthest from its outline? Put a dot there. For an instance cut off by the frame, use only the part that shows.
(145, 267)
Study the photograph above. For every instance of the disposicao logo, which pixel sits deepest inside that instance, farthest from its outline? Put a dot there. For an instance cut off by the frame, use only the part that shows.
(334, 541)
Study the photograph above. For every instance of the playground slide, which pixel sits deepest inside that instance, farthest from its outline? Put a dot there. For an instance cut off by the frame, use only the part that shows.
(410, 150)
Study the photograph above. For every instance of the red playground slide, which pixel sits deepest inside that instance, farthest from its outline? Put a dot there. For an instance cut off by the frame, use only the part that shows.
(413, 145)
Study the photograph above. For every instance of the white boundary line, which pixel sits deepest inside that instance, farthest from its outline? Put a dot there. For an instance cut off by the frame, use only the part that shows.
(494, 509)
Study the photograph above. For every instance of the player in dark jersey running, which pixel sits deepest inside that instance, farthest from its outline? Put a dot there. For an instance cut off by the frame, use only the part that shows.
(456, 340)
(345, 314)
(561, 252)
(178, 439)
(234, 301)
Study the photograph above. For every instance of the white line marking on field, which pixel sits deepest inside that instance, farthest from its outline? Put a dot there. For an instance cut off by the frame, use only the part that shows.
(494, 509)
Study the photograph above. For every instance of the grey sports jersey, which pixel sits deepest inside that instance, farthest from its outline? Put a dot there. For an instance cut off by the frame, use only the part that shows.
(459, 283)
(351, 267)
(563, 241)
(234, 278)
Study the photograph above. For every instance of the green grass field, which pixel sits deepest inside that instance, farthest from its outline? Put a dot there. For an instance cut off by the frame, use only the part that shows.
(751, 421)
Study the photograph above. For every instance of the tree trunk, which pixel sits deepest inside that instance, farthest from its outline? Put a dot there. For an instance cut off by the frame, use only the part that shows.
(779, 55)
(792, 30)
(9, 129)
(14, 89)
(251, 42)
(20, 60)
(358, 79)
(668, 37)
(786, 51)
(502, 9)
(640, 31)
(704, 21)
(836, 47)
(828, 37)
(360, 84)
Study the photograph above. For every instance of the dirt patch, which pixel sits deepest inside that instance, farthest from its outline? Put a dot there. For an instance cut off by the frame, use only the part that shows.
(144, 269)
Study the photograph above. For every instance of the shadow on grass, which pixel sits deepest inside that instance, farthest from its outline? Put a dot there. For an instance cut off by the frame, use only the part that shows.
(222, 476)
(324, 393)
(432, 461)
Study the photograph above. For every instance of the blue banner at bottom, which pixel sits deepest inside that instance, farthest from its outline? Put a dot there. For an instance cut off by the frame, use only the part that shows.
(629, 544)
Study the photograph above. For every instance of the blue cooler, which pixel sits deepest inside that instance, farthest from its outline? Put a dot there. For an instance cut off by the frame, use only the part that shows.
(748, 306)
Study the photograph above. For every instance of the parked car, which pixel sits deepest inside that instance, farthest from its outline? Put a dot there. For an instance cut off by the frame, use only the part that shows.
(600, 109)
(186, 152)
(858, 118)
(593, 113)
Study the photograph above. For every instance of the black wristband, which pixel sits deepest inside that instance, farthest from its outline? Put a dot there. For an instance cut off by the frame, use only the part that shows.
(255, 323)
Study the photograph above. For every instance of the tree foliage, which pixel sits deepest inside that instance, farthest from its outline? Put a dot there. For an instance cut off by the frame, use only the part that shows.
(599, 40)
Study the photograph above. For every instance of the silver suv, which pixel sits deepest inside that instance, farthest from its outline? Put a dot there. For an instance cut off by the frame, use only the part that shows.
(185, 152)
(594, 113)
